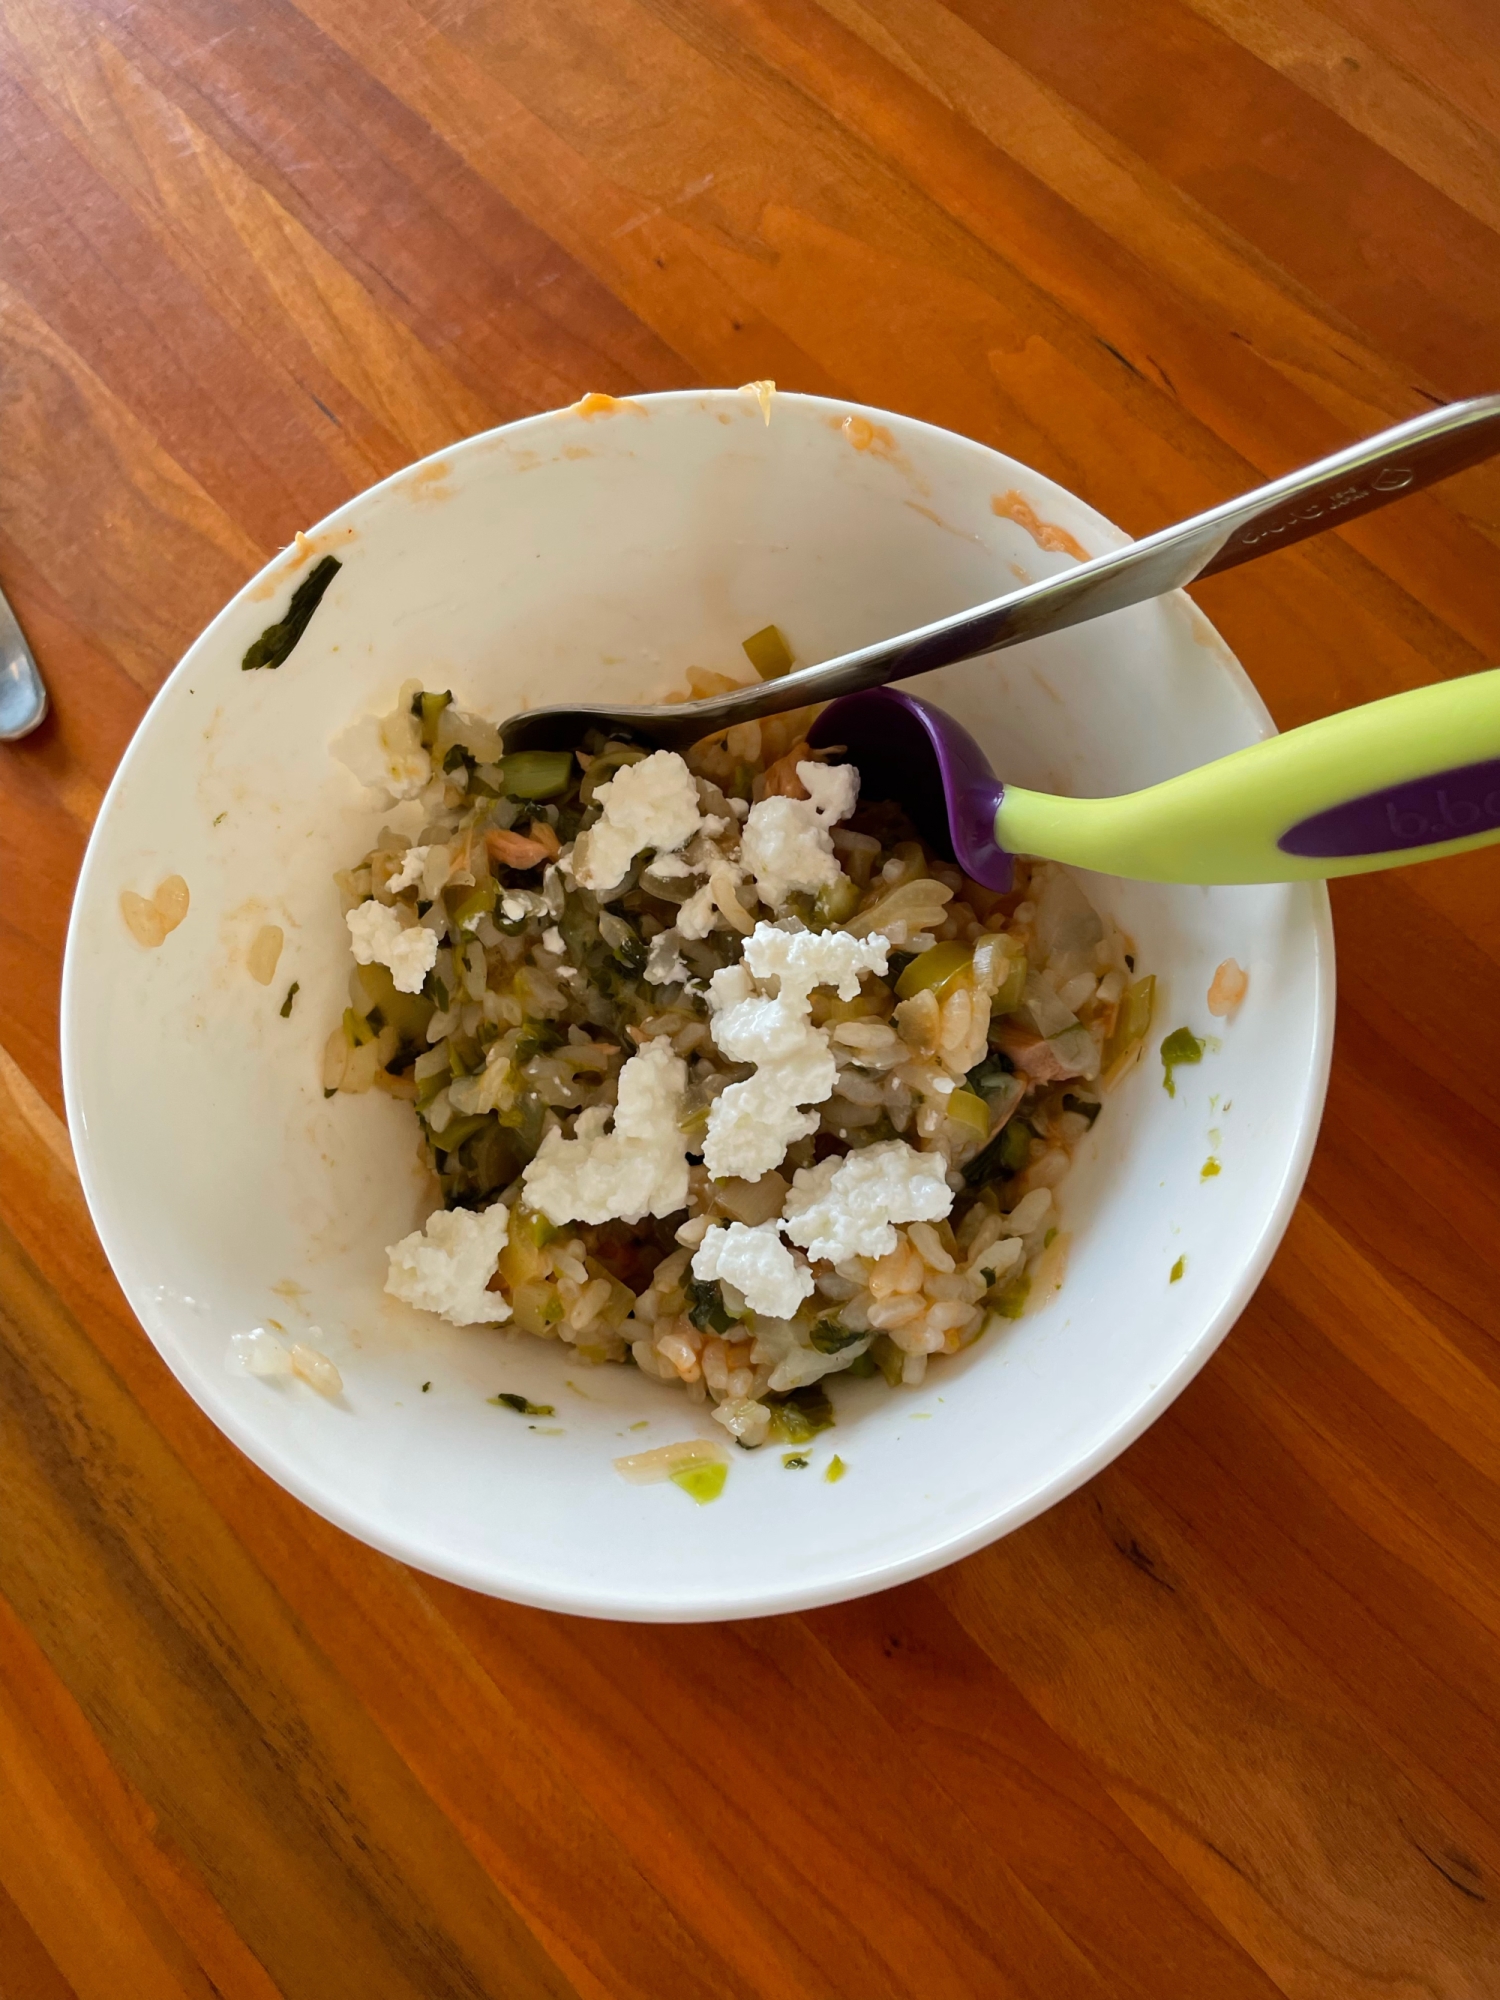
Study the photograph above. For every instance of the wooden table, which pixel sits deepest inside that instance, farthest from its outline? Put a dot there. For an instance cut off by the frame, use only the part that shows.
(1227, 1723)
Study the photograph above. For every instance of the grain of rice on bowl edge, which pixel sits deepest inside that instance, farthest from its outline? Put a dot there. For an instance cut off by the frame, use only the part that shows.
(724, 1074)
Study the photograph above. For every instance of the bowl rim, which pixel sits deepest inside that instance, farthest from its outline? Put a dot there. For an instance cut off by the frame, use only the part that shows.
(944, 1548)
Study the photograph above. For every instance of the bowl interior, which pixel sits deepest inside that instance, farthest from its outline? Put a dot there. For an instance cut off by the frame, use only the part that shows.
(582, 555)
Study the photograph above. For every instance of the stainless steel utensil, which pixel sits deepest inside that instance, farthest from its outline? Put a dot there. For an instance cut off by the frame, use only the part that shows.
(1274, 516)
(23, 698)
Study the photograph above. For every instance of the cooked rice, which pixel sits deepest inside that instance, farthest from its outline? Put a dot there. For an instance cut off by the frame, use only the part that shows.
(538, 996)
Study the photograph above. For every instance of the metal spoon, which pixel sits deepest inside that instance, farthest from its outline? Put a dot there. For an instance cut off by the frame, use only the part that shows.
(23, 698)
(1323, 495)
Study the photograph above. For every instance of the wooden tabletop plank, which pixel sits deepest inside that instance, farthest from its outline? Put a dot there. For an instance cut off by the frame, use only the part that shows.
(1228, 1720)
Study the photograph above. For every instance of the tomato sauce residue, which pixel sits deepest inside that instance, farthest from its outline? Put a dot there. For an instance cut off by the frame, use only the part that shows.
(865, 436)
(303, 548)
(597, 404)
(426, 483)
(1012, 507)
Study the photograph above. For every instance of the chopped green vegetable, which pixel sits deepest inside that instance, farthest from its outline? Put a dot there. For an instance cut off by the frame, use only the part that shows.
(537, 774)
(425, 1387)
(768, 653)
(836, 903)
(520, 1405)
(797, 1417)
(219, 818)
(700, 1482)
(836, 1470)
(706, 1306)
(427, 708)
(291, 993)
(1006, 1154)
(863, 1365)
(357, 1029)
(888, 1357)
(828, 1336)
(989, 1074)
(1009, 997)
(459, 759)
(1084, 1107)
(1177, 1270)
(467, 906)
(967, 1109)
(1012, 1301)
(1210, 1169)
(274, 646)
(795, 1461)
(935, 970)
(457, 1130)
(1132, 1021)
(1181, 1046)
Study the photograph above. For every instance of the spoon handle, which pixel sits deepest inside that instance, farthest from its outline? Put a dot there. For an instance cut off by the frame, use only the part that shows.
(1406, 779)
(1287, 510)
(23, 698)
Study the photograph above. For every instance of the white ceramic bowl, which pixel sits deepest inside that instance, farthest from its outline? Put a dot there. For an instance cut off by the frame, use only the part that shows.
(585, 554)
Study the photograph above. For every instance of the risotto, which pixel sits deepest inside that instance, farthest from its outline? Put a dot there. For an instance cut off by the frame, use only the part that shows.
(723, 1073)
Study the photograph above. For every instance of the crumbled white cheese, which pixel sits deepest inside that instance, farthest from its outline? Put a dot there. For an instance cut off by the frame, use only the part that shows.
(697, 916)
(552, 940)
(445, 1268)
(650, 804)
(638, 1169)
(751, 1124)
(378, 937)
(518, 904)
(786, 844)
(845, 1208)
(385, 752)
(757, 1263)
(664, 961)
(410, 872)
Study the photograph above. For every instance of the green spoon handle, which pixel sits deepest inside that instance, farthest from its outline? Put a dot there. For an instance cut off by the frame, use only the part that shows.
(1406, 779)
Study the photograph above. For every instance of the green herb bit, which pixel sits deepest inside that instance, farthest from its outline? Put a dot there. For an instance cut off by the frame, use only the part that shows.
(521, 1407)
(863, 1365)
(537, 774)
(768, 652)
(291, 993)
(459, 759)
(828, 1336)
(1210, 1170)
(425, 1387)
(700, 1482)
(795, 1461)
(799, 1415)
(1181, 1046)
(1177, 1270)
(357, 1030)
(467, 906)
(836, 1470)
(706, 1307)
(274, 646)
(457, 1130)
(219, 818)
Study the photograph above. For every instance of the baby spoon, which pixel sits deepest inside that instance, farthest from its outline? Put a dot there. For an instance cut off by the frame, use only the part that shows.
(1410, 778)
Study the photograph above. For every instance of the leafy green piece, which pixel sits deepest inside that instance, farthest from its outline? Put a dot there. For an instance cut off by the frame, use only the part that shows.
(521, 1406)
(291, 993)
(425, 1387)
(457, 1130)
(989, 1073)
(700, 1482)
(1177, 1270)
(836, 1470)
(797, 1417)
(828, 1336)
(274, 646)
(706, 1305)
(863, 1365)
(795, 1461)
(458, 758)
(1181, 1046)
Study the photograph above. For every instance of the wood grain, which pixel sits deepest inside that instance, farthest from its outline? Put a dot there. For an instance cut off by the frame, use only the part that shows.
(1225, 1723)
